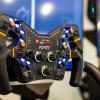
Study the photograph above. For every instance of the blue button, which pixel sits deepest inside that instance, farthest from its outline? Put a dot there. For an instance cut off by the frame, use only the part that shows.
(11, 20)
(59, 62)
(22, 59)
(69, 66)
(28, 62)
(17, 21)
(22, 32)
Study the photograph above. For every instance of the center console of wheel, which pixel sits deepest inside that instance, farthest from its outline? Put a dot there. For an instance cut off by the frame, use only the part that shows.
(34, 56)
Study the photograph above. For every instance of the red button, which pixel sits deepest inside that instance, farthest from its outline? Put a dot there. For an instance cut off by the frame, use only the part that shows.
(37, 41)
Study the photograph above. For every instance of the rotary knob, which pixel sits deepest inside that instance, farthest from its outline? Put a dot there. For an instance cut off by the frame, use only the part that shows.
(38, 56)
(30, 53)
(51, 56)
(44, 70)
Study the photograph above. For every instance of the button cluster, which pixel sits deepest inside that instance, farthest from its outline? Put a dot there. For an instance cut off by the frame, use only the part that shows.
(69, 38)
(25, 62)
(62, 62)
(17, 24)
(65, 38)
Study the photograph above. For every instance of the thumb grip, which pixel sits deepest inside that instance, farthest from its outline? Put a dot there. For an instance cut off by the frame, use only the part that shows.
(5, 87)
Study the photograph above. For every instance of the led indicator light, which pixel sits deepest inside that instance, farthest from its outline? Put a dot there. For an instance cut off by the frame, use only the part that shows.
(93, 10)
(67, 31)
(64, 60)
(21, 40)
(22, 59)
(16, 19)
(22, 32)
(64, 43)
(10, 19)
(28, 62)
(59, 62)
(17, 25)
(63, 36)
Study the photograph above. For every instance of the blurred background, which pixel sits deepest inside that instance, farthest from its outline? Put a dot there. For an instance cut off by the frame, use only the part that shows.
(45, 15)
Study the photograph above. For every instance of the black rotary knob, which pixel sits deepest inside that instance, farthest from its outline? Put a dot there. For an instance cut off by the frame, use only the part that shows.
(38, 56)
(44, 70)
(30, 53)
(51, 56)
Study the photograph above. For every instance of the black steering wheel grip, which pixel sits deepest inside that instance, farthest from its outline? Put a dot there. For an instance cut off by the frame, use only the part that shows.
(5, 87)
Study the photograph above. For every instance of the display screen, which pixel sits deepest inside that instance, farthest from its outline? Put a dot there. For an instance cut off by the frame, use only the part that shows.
(45, 15)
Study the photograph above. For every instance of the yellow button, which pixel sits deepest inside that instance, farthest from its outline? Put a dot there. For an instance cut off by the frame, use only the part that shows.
(12, 24)
(3, 34)
(22, 44)
(65, 46)
(76, 40)
(72, 30)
